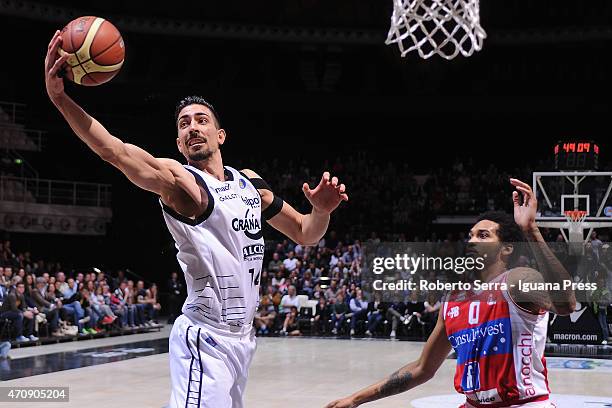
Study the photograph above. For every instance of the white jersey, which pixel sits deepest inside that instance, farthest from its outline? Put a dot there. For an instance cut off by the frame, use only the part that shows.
(221, 252)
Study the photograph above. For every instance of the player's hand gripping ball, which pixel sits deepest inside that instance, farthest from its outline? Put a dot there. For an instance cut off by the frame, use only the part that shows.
(96, 50)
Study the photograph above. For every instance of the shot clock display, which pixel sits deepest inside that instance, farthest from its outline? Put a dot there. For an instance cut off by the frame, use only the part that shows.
(576, 155)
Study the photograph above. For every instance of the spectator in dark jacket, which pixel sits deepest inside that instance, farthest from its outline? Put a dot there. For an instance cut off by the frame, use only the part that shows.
(339, 311)
(50, 310)
(321, 316)
(376, 313)
(14, 308)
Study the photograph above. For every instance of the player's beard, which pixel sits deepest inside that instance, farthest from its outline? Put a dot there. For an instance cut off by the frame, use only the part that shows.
(201, 155)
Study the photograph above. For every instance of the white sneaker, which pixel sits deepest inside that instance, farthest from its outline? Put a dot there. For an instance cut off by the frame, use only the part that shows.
(402, 319)
(334, 331)
(352, 332)
(368, 333)
(407, 321)
(21, 339)
(604, 342)
(84, 320)
(392, 335)
(33, 337)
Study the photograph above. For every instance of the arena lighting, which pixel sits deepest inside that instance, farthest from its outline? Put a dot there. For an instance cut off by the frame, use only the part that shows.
(96, 270)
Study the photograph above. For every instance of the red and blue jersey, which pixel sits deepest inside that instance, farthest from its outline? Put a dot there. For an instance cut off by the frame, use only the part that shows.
(499, 347)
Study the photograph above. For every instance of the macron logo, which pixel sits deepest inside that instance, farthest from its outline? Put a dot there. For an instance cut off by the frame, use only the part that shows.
(225, 187)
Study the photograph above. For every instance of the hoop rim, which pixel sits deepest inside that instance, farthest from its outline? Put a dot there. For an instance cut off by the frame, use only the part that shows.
(575, 215)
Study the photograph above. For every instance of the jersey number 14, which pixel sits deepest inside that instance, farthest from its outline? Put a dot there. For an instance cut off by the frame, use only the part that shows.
(254, 278)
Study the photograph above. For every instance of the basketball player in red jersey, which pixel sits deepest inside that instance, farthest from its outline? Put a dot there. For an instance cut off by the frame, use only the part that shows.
(498, 335)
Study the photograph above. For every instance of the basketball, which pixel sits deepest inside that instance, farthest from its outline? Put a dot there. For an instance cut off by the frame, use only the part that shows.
(96, 50)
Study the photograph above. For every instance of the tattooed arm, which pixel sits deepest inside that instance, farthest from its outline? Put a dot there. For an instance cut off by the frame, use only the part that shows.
(435, 351)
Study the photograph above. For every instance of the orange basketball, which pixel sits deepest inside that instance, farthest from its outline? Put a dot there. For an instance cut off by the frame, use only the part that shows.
(96, 50)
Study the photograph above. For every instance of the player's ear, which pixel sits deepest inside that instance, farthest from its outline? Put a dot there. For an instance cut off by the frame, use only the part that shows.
(507, 249)
(221, 136)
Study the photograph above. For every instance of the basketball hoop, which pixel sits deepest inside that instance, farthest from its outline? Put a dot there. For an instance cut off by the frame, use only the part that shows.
(575, 218)
(444, 27)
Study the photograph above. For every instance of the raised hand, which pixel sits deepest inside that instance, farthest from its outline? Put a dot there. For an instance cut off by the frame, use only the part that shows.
(328, 195)
(525, 205)
(53, 64)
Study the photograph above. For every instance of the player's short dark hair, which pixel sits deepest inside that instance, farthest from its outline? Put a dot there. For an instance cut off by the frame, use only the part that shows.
(196, 100)
(508, 231)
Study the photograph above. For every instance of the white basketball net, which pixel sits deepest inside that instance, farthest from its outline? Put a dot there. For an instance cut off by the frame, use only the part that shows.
(443, 27)
(575, 219)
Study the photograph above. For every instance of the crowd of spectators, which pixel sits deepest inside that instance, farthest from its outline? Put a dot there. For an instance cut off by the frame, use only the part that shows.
(331, 275)
(294, 277)
(38, 299)
(395, 203)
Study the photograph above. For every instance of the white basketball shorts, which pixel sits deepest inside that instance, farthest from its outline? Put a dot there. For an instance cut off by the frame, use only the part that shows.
(208, 368)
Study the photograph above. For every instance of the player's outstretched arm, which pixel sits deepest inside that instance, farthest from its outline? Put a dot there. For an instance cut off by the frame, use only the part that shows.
(433, 355)
(305, 229)
(552, 270)
(162, 176)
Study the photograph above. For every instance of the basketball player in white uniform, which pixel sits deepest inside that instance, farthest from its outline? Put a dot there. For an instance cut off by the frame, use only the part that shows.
(214, 213)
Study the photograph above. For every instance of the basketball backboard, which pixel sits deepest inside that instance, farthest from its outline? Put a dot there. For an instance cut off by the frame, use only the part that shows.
(562, 193)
